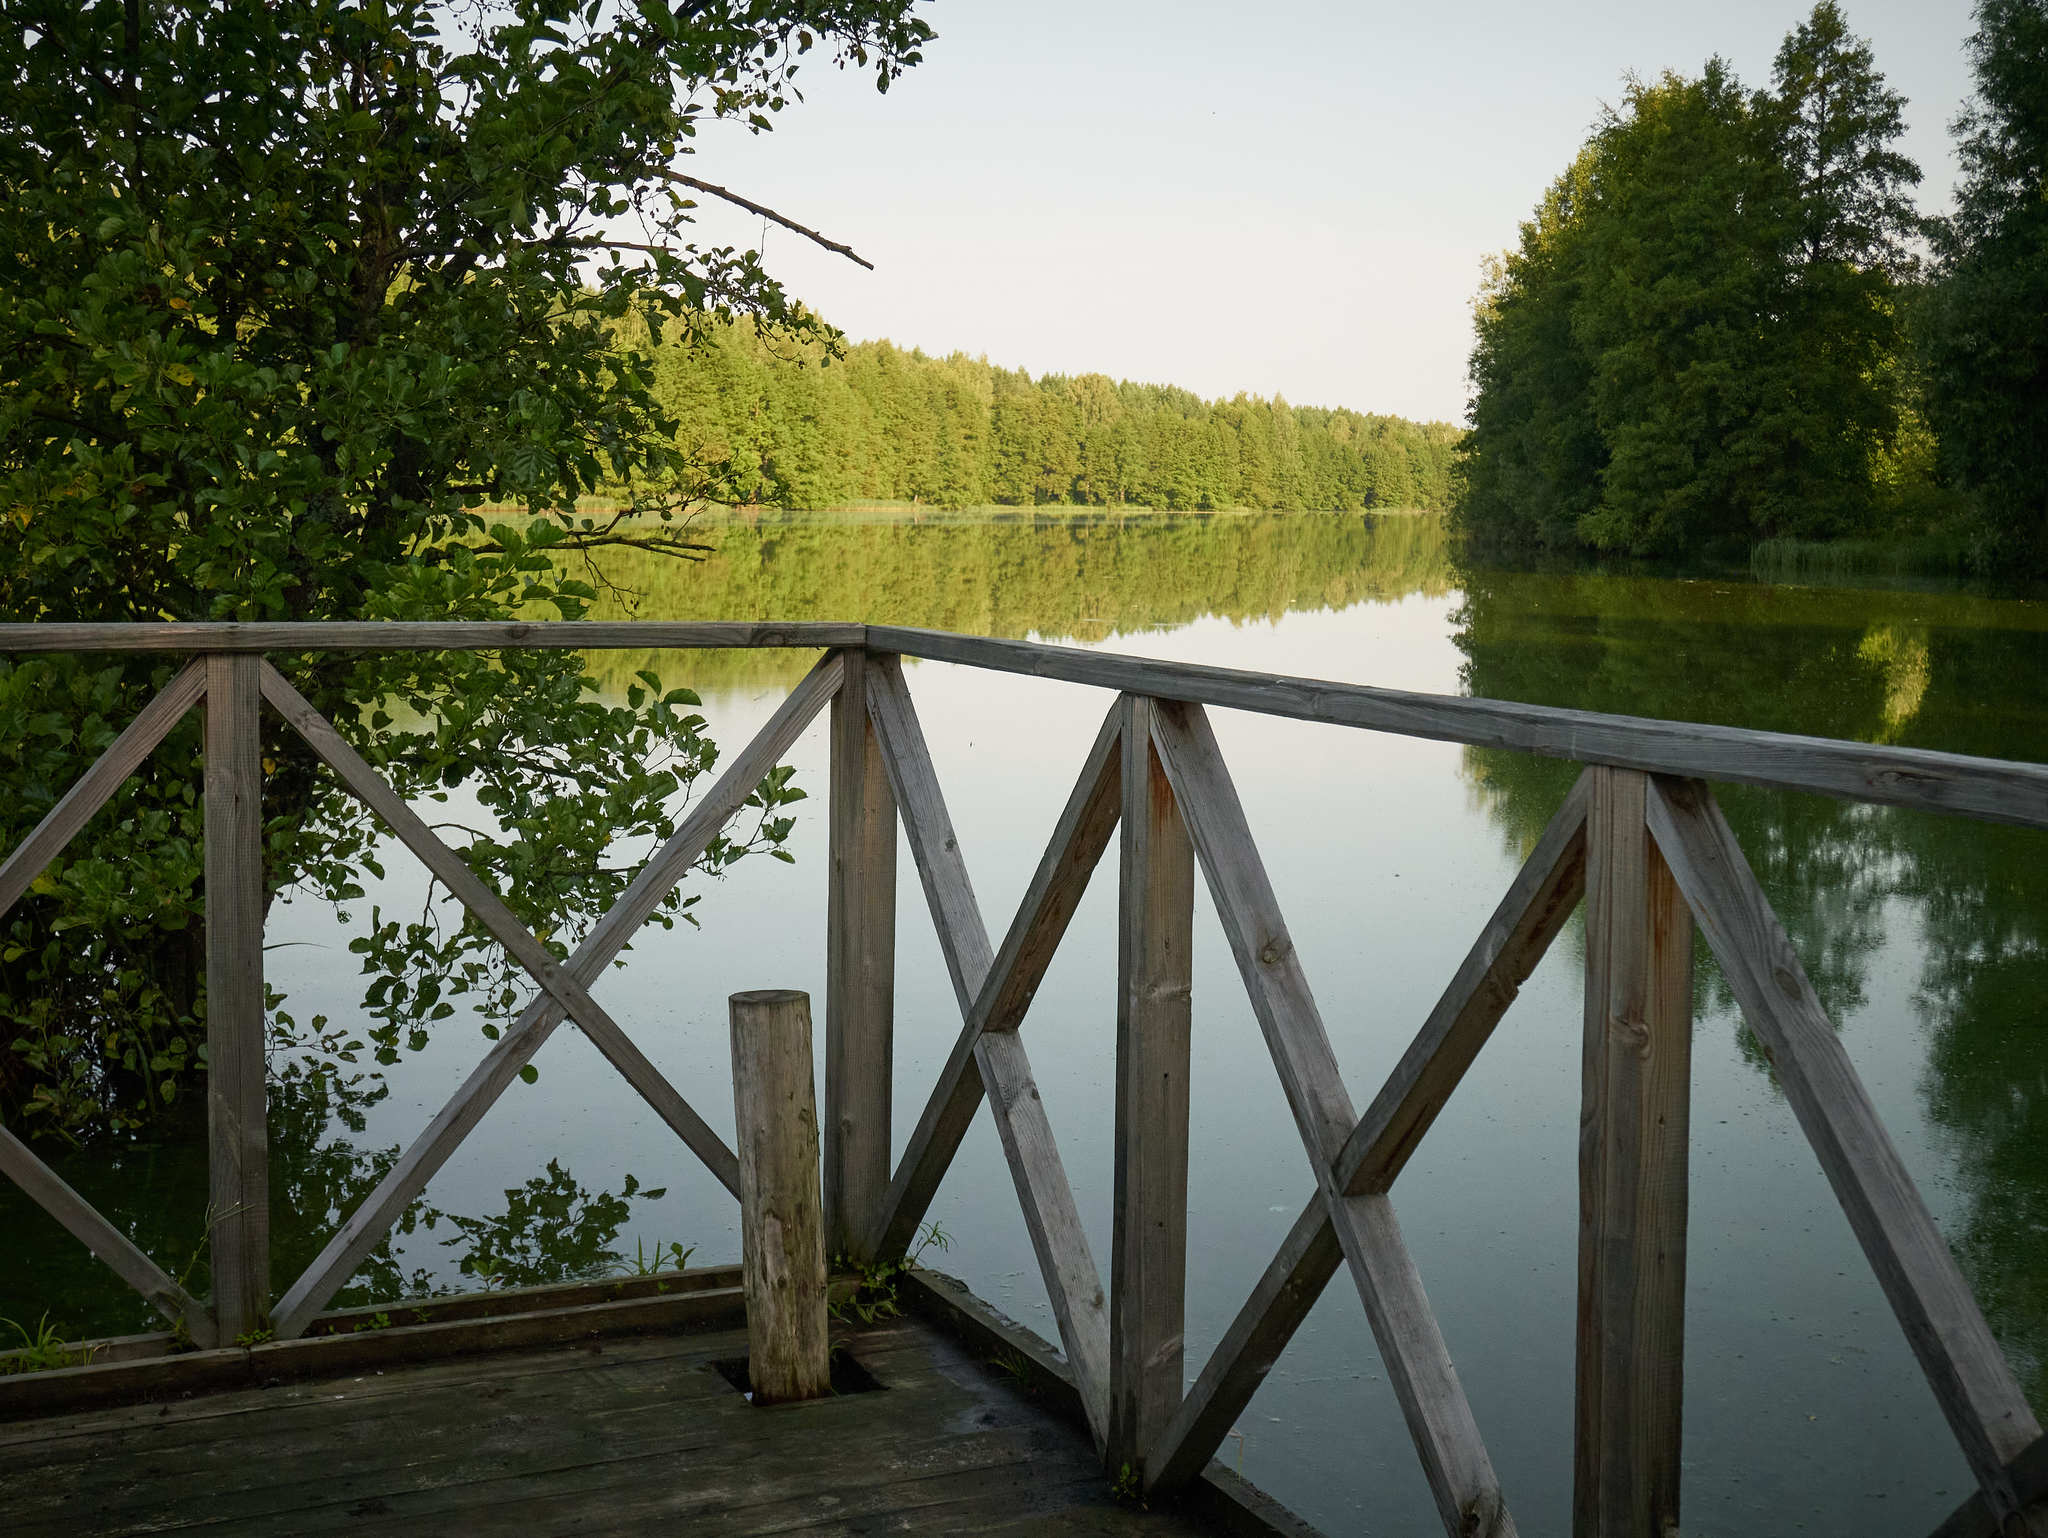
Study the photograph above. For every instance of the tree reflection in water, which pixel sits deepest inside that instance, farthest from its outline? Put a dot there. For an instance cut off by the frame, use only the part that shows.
(1926, 670)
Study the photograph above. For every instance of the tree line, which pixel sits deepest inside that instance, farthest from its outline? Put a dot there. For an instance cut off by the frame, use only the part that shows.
(1727, 322)
(775, 421)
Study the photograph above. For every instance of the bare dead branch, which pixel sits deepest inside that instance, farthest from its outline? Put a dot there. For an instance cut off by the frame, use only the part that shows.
(766, 213)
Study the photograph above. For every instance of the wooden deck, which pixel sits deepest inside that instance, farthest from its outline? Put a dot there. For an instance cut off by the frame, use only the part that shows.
(617, 1435)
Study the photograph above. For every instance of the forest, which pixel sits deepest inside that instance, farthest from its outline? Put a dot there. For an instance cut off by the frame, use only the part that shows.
(1726, 322)
(779, 422)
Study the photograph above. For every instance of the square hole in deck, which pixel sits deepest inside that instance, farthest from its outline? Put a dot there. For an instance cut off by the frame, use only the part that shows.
(848, 1377)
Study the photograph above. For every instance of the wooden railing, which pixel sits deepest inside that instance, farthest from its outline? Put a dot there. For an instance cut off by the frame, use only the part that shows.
(1639, 839)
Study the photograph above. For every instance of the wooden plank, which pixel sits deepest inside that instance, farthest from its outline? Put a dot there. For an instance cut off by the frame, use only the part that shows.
(934, 845)
(1632, 1174)
(1968, 1373)
(1418, 1363)
(427, 635)
(1252, 922)
(1072, 1284)
(488, 1080)
(71, 1389)
(375, 792)
(860, 973)
(2028, 1474)
(1286, 1291)
(1078, 840)
(1154, 1040)
(1218, 1499)
(1993, 790)
(437, 1309)
(1433, 1403)
(1515, 938)
(237, 1064)
(48, 1190)
(782, 1224)
(124, 755)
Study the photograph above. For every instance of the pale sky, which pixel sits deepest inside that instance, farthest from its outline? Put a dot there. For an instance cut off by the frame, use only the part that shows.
(1289, 198)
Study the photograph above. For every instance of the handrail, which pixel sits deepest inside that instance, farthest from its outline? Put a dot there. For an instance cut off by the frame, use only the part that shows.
(1639, 842)
(1957, 784)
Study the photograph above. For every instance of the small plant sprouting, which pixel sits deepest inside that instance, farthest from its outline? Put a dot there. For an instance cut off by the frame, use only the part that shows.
(663, 1257)
(377, 1321)
(42, 1351)
(874, 1295)
(1125, 1487)
(1013, 1365)
(256, 1337)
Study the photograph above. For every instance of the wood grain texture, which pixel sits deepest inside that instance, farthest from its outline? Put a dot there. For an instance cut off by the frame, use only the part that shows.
(1072, 1283)
(585, 1436)
(782, 1225)
(860, 972)
(1636, 1079)
(426, 635)
(1515, 938)
(1994, 790)
(1946, 1330)
(124, 755)
(114, 1249)
(1286, 1291)
(605, 1033)
(489, 1079)
(237, 1141)
(1078, 840)
(1454, 1459)
(1148, 1227)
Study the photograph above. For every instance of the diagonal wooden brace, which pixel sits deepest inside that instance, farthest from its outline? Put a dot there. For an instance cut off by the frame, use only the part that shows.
(124, 755)
(366, 1226)
(1957, 1353)
(1418, 1363)
(1071, 855)
(1072, 1283)
(375, 792)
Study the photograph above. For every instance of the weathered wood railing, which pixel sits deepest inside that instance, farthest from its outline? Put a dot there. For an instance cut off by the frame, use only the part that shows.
(1639, 839)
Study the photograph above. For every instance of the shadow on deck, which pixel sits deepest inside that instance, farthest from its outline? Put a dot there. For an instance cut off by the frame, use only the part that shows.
(972, 1430)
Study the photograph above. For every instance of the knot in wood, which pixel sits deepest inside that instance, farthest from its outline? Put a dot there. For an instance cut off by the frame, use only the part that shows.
(1274, 949)
(1786, 979)
(1632, 1032)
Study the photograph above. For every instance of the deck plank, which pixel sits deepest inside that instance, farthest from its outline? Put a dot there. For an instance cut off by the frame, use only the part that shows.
(622, 1436)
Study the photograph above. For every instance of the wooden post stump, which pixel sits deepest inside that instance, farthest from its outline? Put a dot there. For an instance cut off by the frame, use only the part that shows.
(782, 1233)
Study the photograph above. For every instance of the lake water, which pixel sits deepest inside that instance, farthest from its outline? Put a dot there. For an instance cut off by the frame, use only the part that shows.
(1927, 937)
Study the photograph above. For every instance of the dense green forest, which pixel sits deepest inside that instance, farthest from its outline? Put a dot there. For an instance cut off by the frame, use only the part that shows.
(781, 423)
(1726, 322)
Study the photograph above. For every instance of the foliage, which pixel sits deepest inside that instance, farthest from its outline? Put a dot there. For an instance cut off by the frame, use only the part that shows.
(292, 290)
(1692, 345)
(886, 424)
(874, 1296)
(39, 1350)
(663, 1257)
(1985, 329)
(554, 1229)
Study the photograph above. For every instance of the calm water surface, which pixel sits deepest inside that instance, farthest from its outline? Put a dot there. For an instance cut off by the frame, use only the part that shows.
(1925, 936)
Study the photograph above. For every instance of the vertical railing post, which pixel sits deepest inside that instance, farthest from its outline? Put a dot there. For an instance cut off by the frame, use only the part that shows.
(782, 1237)
(1148, 1242)
(860, 970)
(1632, 1174)
(238, 1152)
